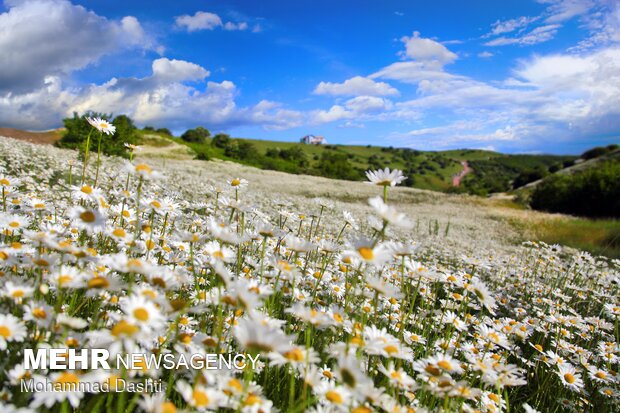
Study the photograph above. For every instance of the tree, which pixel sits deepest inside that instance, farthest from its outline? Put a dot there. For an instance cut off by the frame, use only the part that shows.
(221, 140)
(196, 135)
(164, 131)
(78, 128)
(593, 192)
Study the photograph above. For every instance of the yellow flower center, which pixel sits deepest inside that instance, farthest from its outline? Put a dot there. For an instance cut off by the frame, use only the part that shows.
(5, 332)
(124, 328)
(366, 253)
(600, 375)
(5, 182)
(235, 384)
(252, 399)
(294, 355)
(432, 370)
(39, 313)
(98, 282)
(444, 364)
(113, 381)
(14, 224)
(168, 407)
(119, 232)
(570, 379)
(143, 168)
(87, 189)
(88, 216)
(17, 294)
(235, 182)
(390, 349)
(141, 314)
(334, 397)
(200, 398)
(67, 378)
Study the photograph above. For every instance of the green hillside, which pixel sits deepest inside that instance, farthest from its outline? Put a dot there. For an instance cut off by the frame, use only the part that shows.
(492, 171)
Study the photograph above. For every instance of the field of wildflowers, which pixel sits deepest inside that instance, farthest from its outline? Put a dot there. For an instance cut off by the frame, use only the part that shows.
(357, 309)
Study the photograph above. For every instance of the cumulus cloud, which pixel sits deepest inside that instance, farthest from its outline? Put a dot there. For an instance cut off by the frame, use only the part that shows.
(355, 86)
(359, 108)
(177, 70)
(203, 20)
(45, 38)
(161, 99)
(546, 98)
(426, 50)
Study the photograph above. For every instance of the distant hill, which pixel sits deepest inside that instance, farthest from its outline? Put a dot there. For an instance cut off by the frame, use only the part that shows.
(488, 171)
(434, 170)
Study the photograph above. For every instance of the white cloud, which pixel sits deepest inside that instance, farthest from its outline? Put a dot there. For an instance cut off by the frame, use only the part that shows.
(562, 10)
(355, 86)
(550, 21)
(202, 20)
(537, 35)
(486, 54)
(46, 38)
(236, 26)
(427, 50)
(177, 70)
(161, 99)
(507, 26)
(334, 113)
(412, 72)
(368, 104)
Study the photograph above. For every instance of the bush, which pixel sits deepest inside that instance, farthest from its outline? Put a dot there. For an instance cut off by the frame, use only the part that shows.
(221, 140)
(197, 135)
(594, 192)
(164, 131)
(337, 165)
(598, 151)
(528, 176)
(78, 128)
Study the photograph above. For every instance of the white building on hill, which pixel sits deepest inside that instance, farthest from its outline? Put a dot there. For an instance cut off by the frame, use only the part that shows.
(314, 140)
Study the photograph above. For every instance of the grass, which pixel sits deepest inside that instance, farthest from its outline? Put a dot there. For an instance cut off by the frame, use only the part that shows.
(599, 237)
(427, 170)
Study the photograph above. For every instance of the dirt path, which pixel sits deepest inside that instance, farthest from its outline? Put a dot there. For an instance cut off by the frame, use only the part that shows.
(456, 179)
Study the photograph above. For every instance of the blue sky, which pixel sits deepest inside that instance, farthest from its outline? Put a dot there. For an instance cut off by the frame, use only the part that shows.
(514, 76)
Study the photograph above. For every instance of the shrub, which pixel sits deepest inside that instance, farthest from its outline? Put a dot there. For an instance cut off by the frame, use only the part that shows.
(337, 165)
(528, 176)
(221, 140)
(78, 128)
(196, 135)
(594, 192)
(164, 131)
(598, 151)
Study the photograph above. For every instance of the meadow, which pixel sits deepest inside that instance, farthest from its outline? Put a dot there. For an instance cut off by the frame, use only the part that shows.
(357, 296)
